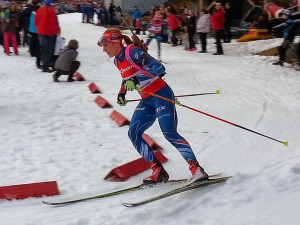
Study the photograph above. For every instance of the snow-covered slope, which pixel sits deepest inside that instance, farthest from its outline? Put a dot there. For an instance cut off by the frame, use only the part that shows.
(55, 131)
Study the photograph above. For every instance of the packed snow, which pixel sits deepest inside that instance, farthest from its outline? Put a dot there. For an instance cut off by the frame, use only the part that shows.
(55, 131)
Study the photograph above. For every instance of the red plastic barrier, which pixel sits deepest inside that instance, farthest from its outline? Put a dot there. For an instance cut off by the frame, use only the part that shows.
(79, 77)
(119, 118)
(151, 142)
(94, 89)
(132, 168)
(102, 102)
(23, 191)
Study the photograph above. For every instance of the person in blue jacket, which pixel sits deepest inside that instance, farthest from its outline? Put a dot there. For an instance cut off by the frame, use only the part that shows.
(289, 32)
(136, 15)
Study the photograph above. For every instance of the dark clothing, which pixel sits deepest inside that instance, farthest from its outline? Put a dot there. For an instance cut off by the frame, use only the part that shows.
(202, 37)
(13, 23)
(74, 67)
(111, 11)
(34, 48)
(227, 26)
(298, 52)
(191, 29)
(218, 36)
(47, 46)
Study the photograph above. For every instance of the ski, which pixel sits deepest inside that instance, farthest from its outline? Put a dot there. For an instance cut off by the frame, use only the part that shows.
(179, 190)
(122, 191)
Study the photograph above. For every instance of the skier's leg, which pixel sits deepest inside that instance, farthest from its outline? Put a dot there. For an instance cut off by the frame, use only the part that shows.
(143, 117)
(167, 117)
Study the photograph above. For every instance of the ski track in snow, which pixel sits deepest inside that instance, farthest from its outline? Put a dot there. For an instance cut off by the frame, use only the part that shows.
(55, 131)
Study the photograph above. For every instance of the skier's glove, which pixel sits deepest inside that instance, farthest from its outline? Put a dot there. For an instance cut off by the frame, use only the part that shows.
(121, 100)
(130, 84)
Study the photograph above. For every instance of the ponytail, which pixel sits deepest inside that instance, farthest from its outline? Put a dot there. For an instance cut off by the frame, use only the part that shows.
(127, 40)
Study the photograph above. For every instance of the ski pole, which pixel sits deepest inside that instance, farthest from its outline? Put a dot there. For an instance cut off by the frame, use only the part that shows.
(180, 96)
(135, 38)
(212, 116)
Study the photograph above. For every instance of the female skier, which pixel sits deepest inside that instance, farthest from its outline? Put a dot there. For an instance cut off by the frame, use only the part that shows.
(142, 72)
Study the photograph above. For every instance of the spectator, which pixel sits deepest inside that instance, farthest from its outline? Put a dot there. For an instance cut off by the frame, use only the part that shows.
(111, 11)
(10, 31)
(298, 55)
(47, 28)
(217, 20)
(156, 30)
(289, 32)
(191, 28)
(144, 26)
(66, 63)
(4, 10)
(84, 12)
(174, 27)
(136, 14)
(227, 23)
(26, 17)
(203, 28)
(59, 45)
(34, 46)
(152, 11)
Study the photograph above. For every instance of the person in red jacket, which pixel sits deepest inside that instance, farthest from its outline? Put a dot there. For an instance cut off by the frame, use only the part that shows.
(174, 27)
(217, 19)
(47, 28)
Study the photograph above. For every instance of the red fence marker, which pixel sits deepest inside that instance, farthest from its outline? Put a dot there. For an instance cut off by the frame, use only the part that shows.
(23, 191)
(119, 118)
(79, 77)
(102, 102)
(132, 168)
(94, 88)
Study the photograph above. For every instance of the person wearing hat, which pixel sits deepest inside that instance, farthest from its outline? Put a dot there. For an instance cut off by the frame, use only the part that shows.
(289, 32)
(143, 73)
(47, 28)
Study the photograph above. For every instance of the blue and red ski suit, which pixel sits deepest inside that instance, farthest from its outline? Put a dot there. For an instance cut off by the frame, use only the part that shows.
(147, 71)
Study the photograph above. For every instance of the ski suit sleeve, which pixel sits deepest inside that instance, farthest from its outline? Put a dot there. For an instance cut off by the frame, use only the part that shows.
(147, 62)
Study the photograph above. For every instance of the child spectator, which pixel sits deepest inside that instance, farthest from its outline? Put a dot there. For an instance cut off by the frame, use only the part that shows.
(203, 28)
(59, 45)
(66, 63)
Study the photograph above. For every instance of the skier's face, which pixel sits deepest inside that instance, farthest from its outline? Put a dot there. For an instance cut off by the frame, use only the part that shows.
(111, 49)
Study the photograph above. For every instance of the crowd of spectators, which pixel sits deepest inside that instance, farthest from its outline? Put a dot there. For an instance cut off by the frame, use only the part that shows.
(20, 25)
(36, 25)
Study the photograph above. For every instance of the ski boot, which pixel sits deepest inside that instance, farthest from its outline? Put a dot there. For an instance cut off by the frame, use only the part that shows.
(158, 175)
(278, 63)
(198, 173)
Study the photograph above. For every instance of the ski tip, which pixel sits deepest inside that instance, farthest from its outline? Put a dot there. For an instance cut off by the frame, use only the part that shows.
(128, 205)
(47, 203)
(218, 92)
(286, 143)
